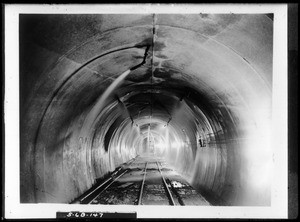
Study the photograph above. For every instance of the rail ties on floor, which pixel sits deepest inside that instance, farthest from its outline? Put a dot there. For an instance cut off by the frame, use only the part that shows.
(166, 187)
(180, 201)
(95, 193)
(142, 185)
(91, 196)
(85, 198)
(105, 188)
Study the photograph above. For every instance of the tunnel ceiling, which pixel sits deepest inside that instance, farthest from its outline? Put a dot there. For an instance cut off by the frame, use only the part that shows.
(83, 73)
(186, 54)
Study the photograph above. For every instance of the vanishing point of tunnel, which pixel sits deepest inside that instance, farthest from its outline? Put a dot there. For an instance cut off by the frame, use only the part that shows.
(152, 109)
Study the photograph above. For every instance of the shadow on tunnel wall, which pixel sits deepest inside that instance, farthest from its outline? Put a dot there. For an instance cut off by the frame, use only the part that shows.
(90, 85)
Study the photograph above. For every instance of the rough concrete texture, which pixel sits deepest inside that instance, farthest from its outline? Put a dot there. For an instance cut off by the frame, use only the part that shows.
(205, 77)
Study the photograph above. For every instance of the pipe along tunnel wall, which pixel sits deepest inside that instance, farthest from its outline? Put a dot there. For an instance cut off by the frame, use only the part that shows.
(97, 90)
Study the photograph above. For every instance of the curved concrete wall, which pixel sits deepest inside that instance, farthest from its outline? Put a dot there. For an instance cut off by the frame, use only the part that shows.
(83, 113)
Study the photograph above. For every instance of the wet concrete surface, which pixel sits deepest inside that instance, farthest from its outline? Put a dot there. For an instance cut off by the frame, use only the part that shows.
(126, 189)
(204, 75)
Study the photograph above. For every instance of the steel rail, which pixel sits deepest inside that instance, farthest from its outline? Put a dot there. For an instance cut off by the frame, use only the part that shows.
(175, 192)
(166, 186)
(142, 186)
(125, 171)
(96, 189)
(107, 180)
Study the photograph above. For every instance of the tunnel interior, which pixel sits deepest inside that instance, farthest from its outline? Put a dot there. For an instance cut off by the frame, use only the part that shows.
(98, 90)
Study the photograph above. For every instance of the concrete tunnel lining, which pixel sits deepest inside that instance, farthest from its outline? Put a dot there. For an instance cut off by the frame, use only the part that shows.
(224, 88)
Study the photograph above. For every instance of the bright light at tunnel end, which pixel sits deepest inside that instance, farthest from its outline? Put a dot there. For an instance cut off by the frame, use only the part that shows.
(263, 156)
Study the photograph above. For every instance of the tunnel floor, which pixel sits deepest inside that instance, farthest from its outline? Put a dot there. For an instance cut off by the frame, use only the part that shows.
(145, 180)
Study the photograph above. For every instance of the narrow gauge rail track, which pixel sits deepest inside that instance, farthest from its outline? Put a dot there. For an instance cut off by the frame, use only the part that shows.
(91, 195)
(169, 191)
(166, 184)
